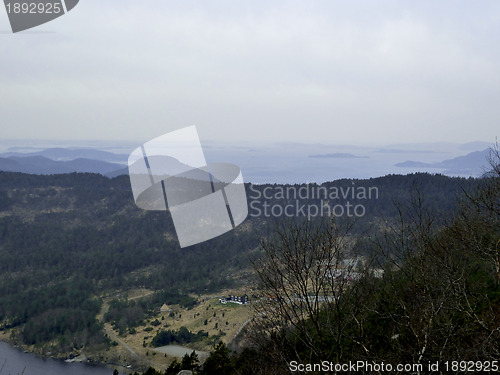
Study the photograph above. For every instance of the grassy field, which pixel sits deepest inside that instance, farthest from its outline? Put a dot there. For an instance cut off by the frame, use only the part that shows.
(223, 322)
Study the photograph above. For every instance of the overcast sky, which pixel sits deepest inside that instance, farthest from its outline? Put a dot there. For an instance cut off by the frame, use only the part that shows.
(340, 72)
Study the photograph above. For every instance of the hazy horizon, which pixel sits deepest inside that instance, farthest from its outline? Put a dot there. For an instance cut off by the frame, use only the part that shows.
(281, 163)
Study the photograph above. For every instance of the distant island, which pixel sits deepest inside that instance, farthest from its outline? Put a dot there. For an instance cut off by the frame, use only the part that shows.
(338, 155)
(469, 164)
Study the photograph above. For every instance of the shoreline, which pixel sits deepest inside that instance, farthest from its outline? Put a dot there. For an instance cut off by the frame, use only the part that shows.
(66, 358)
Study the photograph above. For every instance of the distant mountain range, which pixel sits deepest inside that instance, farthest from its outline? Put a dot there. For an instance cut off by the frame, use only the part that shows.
(61, 160)
(474, 163)
(44, 165)
(65, 154)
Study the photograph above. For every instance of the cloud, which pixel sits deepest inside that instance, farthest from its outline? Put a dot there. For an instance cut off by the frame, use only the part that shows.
(354, 72)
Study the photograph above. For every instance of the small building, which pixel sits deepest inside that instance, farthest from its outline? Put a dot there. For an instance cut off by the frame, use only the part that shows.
(240, 300)
(165, 308)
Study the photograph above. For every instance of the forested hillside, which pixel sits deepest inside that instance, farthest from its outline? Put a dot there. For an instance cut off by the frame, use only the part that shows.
(67, 240)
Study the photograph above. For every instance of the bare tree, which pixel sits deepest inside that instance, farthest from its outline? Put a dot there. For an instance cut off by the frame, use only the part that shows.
(306, 278)
(479, 220)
